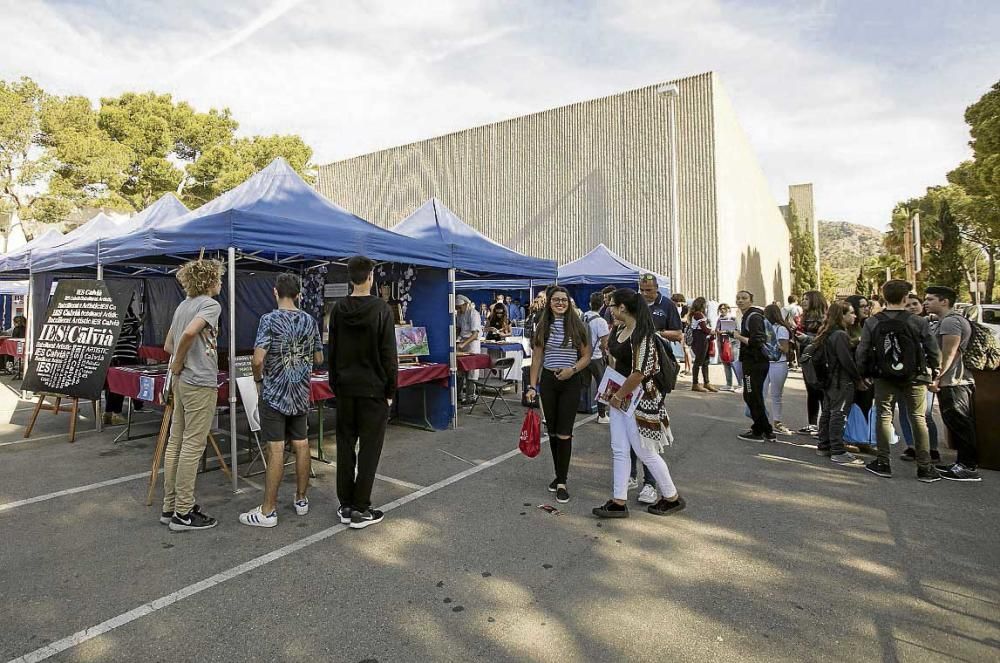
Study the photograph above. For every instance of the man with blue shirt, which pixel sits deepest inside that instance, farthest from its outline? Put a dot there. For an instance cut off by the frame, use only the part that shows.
(667, 322)
(287, 347)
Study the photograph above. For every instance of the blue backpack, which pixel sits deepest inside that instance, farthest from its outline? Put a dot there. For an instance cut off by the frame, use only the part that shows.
(771, 349)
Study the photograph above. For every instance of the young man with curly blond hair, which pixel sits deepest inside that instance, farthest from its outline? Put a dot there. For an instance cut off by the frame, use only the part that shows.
(194, 368)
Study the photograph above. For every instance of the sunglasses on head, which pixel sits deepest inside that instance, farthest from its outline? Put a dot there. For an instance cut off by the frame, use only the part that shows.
(648, 277)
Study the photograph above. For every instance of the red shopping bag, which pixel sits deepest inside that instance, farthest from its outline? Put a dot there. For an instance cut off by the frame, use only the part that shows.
(531, 434)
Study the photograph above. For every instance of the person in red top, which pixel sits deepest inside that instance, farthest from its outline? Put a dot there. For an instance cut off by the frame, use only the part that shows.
(701, 334)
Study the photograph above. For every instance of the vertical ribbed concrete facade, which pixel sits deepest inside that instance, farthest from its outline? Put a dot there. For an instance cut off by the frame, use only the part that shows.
(555, 184)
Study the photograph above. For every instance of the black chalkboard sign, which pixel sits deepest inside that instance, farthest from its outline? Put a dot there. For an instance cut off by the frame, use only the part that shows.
(72, 353)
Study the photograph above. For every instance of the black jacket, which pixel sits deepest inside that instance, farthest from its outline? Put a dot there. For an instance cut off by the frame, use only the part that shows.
(840, 357)
(362, 349)
(752, 326)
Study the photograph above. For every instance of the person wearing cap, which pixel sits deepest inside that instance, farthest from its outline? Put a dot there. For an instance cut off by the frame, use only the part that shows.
(467, 329)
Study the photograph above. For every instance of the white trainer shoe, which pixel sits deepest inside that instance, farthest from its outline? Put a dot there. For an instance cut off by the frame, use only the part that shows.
(647, 495)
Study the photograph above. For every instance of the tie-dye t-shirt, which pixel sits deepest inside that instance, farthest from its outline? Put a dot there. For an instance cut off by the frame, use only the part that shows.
(291, 339)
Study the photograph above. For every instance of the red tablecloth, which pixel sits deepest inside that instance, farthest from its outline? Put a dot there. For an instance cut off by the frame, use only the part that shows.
(9, 346)
(474, 362)
(124, 380)
(153, 352)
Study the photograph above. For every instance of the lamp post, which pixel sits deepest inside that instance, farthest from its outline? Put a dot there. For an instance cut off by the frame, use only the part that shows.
(672, 92)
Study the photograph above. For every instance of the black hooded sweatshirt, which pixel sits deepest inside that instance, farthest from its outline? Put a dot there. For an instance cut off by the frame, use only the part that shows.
(362, 348)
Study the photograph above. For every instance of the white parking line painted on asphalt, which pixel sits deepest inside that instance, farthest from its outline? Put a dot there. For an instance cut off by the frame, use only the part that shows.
(53, 648)
(382, 477)
(457, 457)
(72, 491)
(79, 433)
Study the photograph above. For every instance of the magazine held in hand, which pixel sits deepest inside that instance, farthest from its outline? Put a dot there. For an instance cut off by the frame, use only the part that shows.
(611, 383)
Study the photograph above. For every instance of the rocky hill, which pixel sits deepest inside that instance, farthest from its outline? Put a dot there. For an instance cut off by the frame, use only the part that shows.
(846, 246)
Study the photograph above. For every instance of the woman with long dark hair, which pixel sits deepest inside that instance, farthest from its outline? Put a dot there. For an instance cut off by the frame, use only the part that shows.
(843, 379)
(813, 316)
(701, 338)
(633, 347)
(498, 324)
(560, 351)
(777, 373)
(863, 399)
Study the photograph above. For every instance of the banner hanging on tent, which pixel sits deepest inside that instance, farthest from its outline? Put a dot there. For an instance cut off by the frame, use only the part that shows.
(77, 341)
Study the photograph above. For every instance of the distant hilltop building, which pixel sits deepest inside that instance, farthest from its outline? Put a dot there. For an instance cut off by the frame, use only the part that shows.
(556, 183)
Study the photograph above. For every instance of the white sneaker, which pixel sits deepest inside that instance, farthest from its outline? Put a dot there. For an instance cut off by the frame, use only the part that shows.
(647, 495)
(301, 506)
(256, 518)
(633, 483)
(604, 420)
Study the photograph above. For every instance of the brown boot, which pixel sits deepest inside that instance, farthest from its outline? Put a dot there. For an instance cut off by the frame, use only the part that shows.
(712, 388)
(698, 387)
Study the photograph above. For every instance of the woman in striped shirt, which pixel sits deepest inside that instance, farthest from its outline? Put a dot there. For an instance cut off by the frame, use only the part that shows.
(560, 351)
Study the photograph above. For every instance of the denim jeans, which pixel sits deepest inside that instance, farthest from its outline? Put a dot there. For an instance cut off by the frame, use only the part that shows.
(837, 401)
(774, 387)
(904, 423)
(728, 367)
(887, 394)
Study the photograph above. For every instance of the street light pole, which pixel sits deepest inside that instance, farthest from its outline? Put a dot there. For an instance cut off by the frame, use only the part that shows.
(673, 92)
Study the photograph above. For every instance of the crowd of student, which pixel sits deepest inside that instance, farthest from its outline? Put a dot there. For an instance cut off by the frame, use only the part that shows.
(902, 356)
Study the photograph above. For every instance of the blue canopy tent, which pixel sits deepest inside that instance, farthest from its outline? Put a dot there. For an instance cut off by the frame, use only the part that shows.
(20, 259)
(275, 218)
(470, 252)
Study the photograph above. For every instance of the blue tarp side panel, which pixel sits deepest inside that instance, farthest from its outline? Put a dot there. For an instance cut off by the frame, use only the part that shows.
(470, 250)
(6, 312)
(429, 309)
(18, 260)
(254, 294)
(277, 213)
(41, 290)
(602, 267)
(81, 250)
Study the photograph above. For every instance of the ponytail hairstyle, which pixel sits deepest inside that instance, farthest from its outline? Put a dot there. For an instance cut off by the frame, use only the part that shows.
(575, 331)
(834, 320)
(638, 309)
(773, 314)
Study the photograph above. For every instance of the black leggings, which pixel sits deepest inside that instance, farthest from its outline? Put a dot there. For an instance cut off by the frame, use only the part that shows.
(700, 351)
(814, 398)
(560, 400)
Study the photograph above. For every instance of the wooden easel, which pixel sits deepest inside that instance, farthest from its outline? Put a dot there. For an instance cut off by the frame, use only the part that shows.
(161, 445)
(56, 409)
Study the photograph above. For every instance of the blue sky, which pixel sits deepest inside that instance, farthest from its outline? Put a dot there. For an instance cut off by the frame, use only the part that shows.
(864, 99)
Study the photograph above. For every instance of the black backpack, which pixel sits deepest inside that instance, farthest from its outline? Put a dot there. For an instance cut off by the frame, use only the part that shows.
(815, 366)
(666, 379)
(896, 353)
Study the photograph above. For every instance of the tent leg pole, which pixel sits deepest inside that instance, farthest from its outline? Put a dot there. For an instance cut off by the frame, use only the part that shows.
(232, 373)
(453, 356)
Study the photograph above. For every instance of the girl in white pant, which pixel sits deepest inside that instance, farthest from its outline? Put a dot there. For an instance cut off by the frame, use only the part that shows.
(633, 348)
(777, 374)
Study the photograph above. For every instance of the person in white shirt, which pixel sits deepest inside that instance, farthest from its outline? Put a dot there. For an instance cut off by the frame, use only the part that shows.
(467, 329)
(599, 332)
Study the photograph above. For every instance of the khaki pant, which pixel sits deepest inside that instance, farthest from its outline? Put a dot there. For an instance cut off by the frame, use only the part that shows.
(887, 393)
(194, 408)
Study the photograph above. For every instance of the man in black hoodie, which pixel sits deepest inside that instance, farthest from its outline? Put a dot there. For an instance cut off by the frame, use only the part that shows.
(752, 337)
(363, 372)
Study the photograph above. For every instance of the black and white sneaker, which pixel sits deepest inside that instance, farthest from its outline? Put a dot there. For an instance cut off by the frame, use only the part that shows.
(928, 474)
(345, 514)
(562, 495)
(770, 437)
(959, 472)
(165, 516)
(909, 455)
(362, 519)
(611, 509)
(553, 485)
(751, 436)
(879, 468)
(193, 520)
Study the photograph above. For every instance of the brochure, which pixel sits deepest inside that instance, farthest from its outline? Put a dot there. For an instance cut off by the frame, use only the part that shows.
(611, 383)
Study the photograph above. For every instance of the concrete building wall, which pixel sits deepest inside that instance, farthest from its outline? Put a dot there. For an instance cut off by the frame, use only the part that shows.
(556, 183)
(754, 241)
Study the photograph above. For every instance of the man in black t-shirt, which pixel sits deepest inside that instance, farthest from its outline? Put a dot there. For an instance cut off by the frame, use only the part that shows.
(667, 322)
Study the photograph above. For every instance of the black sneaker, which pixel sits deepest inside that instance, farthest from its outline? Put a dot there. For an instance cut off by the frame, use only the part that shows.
(770, 437)
(751, 436)
(165, 516)
(928, 474)
(959, 472)
(666, 507)
(824, 451)
(611, 509)
(553, 485)
(362, 519)
(562, 495)
(935, 456)
(193, 520)
(345, 514)
(880, 467)
(909, 455)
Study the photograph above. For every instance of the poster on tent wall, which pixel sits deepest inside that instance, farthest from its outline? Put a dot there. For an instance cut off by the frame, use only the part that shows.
(74, 348)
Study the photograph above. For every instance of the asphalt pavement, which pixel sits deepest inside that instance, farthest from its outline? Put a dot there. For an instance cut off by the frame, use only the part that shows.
(779, 556)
